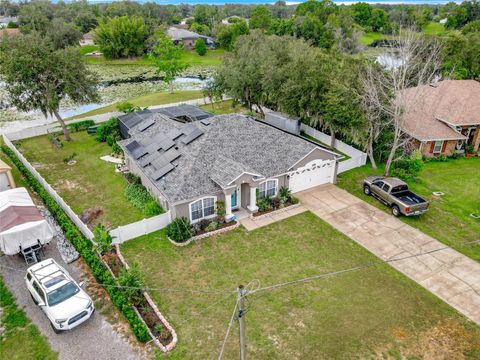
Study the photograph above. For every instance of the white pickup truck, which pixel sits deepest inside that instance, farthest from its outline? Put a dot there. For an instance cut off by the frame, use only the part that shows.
(59, 296)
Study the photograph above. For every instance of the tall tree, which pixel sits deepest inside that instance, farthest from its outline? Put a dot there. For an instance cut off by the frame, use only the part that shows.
(167, 57)
(261, 18)
(121, 37)
(385, 89)
(38, 77)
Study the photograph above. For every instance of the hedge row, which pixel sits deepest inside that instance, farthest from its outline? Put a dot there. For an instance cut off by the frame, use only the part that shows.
(85, 249)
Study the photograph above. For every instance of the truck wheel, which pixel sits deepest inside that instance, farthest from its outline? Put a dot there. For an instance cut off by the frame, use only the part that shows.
(366, 190)
(396, 211)
(55, 330)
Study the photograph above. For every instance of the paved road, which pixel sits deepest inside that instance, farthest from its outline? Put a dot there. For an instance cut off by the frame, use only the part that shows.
(451, 276)
(95, 339)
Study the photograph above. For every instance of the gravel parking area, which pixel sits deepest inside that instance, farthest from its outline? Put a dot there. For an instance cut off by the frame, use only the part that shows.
(94, 339)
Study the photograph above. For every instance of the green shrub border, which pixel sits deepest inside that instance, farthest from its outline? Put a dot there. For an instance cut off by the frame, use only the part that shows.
(85, 248)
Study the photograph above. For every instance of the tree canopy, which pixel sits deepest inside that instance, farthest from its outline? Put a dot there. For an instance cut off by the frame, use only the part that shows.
(121, 36)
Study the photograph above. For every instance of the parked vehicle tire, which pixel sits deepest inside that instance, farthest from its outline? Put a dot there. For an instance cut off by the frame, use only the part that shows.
(396, 211)
(367, 190)
(55, 330)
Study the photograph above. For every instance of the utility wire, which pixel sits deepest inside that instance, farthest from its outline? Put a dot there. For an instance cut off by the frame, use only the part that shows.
(356, 268)
(228, 331)
(140, 288)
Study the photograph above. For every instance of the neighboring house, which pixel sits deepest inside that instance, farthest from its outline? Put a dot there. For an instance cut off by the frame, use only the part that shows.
(443, 117)
(9, 32)
(87, 39)
(188, 38)
(233, 158)
(5, 20)
(232, 19)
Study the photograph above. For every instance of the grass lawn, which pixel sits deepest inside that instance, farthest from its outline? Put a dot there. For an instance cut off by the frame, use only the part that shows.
(211, 58)
(370, 37)
(88, 49)
(361, 314)
(19, 339)
(224, 107)
(157, 98)
(90, 183)
(448, 218)
(434, 28)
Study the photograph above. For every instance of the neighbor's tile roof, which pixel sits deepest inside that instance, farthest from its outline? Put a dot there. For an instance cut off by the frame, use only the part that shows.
(454, 102)
(230, 145)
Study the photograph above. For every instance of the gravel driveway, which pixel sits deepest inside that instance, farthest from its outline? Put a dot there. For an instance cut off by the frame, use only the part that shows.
(94, 339)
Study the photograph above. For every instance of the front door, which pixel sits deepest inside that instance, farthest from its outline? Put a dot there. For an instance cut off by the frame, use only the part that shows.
(234, 199)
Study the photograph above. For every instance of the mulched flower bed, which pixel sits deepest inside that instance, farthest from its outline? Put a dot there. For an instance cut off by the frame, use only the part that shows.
(220, 226)
(146, 311)
(285, 205)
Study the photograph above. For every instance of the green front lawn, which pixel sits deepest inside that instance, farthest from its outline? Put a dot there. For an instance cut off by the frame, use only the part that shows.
(157, 98)
(19, 338)
(211, 58)
(373, 313)
(448, 218)
(90, 183)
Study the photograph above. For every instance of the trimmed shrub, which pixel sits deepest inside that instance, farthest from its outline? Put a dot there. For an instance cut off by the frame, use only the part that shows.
(81, 125)
(408, 167)
(86, 250)
(180, 229)
(102, 238)
(200, 47)
(264, 204)
(132, 280)
(294, 200)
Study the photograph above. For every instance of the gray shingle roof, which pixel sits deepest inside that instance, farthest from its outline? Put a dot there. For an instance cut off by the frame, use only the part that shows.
(230, 145)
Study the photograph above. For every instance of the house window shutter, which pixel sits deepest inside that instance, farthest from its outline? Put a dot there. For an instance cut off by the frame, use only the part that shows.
(444, 146)
(432, 147)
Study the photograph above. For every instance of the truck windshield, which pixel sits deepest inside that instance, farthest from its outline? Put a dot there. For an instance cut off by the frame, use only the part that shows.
(63, 293)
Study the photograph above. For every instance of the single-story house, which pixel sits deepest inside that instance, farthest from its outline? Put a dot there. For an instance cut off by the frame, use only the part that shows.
(443, 117)
(188, 38)
(190, 166)
(5, 20)
(87, 39)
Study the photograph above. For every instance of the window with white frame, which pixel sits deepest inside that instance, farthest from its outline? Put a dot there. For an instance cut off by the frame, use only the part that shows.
(202, 208)
(438, 147)
(268, 188)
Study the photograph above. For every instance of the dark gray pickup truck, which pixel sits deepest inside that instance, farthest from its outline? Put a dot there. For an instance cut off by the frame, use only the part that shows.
(395, 193)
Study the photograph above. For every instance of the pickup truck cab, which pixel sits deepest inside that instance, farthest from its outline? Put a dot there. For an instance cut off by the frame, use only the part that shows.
(58, 295)
(395, 193)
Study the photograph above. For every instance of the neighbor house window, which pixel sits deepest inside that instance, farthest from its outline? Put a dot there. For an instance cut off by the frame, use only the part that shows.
(438, 147)
(202, 208)
(268, 188)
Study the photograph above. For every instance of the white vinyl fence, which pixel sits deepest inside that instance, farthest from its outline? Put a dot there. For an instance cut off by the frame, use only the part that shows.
(357, 157)
(139, 228)
(74, 217)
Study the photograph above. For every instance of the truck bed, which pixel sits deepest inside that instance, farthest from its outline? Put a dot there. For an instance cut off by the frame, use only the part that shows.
(409, 198)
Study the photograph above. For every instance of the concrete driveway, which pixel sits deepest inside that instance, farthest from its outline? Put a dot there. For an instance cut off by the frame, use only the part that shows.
(94, 339)
(451, 276)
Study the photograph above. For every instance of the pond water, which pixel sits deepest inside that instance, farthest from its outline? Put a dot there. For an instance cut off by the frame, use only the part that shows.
(390, 60)
(115, 84)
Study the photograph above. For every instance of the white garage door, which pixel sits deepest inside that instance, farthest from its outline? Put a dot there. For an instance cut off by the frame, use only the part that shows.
(315, 173)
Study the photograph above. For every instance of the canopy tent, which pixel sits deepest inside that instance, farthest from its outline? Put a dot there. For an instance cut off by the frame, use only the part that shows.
(21, 224)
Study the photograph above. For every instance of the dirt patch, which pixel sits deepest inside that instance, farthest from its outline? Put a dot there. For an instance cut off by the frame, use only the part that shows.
(90, 215)
(68, 185)
(446, 340)
(39, 166)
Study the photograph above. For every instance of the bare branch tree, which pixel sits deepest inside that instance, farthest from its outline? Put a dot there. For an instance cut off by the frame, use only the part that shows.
(417, 62)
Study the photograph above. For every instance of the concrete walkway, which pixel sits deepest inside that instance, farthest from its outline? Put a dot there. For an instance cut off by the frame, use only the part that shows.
(252, 223)
(453, 277)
